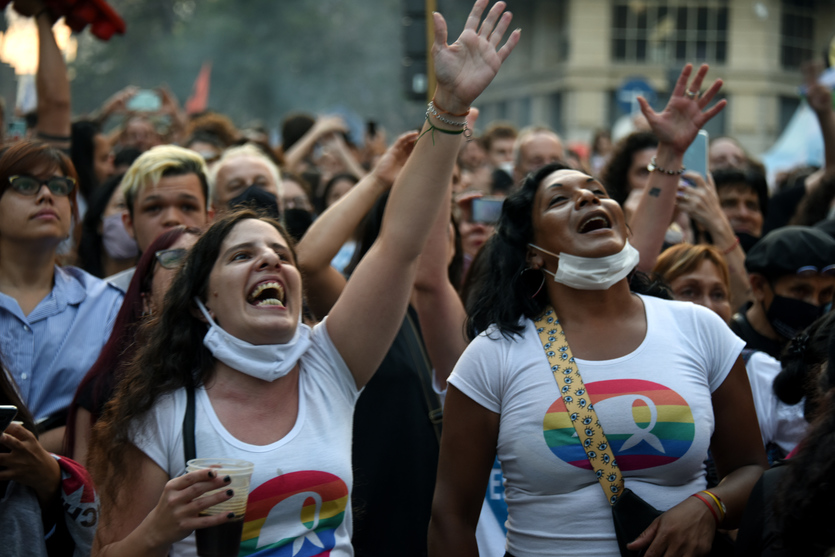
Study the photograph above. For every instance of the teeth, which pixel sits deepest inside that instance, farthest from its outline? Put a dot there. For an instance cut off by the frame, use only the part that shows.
(265, 286)
(593, 219)
(269, 302)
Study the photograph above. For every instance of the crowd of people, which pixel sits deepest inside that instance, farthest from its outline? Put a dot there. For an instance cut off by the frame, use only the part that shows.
(492, 319)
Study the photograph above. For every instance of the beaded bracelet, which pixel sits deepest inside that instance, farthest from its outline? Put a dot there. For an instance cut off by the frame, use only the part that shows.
(653, 167)
(709, 506)
(430, 109)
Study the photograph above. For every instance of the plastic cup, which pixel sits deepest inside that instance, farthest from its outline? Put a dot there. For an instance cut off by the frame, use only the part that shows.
(224, 540)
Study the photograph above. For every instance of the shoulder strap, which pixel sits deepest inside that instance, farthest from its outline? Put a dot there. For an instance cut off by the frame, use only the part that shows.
(188, 426)
(424, 371)
(578, 405)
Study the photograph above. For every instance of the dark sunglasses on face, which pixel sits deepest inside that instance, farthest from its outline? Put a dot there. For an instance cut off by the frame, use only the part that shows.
(171, 258)
(29, 185)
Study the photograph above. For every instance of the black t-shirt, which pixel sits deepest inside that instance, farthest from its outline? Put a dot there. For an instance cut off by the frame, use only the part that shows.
(754, 340)
(395, 455)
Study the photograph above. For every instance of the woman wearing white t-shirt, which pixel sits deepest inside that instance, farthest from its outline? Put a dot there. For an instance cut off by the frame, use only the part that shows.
(664, 377)
(268, 389)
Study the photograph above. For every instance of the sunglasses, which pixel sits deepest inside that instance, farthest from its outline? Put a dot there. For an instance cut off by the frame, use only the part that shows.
(171, 258)
(29, 185)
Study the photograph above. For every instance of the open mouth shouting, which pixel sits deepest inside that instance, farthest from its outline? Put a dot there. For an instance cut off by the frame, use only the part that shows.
(267, 293)
(597, 220)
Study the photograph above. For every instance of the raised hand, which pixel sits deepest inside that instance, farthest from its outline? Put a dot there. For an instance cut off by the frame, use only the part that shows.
(392, 161)
(685, 114)
(466, 67)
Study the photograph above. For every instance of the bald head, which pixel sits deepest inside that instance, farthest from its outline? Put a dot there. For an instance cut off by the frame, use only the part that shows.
(536, 147)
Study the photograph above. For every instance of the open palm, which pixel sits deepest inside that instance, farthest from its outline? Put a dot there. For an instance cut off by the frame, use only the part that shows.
(466, 67)
(685, 114)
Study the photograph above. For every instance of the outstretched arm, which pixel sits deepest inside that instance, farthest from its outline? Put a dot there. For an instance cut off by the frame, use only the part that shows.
(676, 127)
(51, 81)
(367, 316)
(320, 244)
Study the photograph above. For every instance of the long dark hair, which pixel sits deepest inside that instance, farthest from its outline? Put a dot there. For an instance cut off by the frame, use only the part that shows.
(804, 499)
(615, 175)
(90, 248)
(172, 356)
(502, 290)
(102, 378)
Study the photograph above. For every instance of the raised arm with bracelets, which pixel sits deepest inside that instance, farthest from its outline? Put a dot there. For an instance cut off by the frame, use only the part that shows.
(334, 227)
(676, 127)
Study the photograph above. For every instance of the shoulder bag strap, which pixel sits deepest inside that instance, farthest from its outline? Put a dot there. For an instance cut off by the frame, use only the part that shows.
(578, 404)
(424, 371)
(189, 447)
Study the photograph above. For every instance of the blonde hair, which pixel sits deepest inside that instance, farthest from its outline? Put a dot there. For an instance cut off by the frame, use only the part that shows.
(681, 259)
(160, 161)
(245, 150)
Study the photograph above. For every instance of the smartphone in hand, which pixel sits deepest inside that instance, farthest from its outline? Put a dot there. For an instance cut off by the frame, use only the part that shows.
(695, 158)
(486, 210)
(7, 415)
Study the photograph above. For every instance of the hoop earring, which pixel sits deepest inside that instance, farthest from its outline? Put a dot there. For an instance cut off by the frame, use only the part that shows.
(541, 284)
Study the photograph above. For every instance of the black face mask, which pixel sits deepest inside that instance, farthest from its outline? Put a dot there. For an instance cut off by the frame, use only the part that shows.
(789, 316)
(297, 221)
(746, 241)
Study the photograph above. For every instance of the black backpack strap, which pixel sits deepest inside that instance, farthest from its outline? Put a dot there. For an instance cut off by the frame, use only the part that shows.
(188, 426)
(424, 370)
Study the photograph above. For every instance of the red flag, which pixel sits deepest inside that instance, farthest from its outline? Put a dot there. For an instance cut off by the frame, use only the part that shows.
(199, 99)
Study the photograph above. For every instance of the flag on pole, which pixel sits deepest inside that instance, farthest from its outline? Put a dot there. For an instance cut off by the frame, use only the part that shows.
(199, 99)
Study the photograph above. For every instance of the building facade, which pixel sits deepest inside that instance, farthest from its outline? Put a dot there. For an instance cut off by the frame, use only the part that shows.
(570, 69)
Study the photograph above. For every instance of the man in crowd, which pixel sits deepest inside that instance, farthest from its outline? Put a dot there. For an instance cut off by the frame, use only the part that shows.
(792, 274)
(166, 186)
(238, 170)
(535, 147)
(743, 196)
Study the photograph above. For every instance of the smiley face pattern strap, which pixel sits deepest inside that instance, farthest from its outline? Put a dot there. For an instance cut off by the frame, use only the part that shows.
(579, 405)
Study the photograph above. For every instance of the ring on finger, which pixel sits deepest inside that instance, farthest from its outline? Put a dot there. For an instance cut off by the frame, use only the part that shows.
(691, 94)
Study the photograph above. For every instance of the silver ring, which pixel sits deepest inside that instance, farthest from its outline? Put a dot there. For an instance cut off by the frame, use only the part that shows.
(691, 94)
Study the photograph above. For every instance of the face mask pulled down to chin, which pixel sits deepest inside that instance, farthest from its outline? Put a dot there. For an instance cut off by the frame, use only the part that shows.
(593, 273)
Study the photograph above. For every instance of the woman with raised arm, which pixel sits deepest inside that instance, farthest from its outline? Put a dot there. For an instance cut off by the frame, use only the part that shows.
(266, 388)
(651, 386)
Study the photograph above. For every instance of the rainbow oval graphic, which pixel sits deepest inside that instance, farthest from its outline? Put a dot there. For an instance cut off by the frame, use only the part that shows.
(294, 515)
(653, 424)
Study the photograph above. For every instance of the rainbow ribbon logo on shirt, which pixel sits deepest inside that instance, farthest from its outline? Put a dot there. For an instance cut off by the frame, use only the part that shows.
(294, 515)
(647, 424)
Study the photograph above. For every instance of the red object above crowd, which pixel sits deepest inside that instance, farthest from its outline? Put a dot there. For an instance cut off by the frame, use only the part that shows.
(102, 19)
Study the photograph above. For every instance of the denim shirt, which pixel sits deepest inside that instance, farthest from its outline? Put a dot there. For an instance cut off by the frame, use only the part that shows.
(49, 351)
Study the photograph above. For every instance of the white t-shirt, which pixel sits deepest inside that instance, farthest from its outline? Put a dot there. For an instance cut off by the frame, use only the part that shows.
(780, 423)
(300, 493)
(654, 405)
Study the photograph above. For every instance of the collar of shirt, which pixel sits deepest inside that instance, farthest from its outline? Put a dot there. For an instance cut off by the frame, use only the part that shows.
(67, 290)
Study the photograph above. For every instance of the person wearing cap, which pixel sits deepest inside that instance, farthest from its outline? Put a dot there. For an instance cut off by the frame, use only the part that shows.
(792, 274)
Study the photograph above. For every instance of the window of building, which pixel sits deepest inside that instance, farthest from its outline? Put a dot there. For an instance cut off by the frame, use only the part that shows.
(670, 31)
(797, 32)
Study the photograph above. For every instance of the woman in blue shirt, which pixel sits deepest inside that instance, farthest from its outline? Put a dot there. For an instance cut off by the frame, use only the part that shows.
(53, 320)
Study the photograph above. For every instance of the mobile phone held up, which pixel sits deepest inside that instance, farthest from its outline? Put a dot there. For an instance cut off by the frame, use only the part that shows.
(486, 210)
(7, 414)
(145, 100)
(695, 158)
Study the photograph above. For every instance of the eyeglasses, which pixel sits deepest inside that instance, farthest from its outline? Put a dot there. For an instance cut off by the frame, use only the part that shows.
(811, 270)
(171, 258)
(29, 185)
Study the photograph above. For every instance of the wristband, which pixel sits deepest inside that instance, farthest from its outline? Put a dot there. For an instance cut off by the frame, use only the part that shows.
(709, 506)
(726, 252)
(442, 111)
(722, 509)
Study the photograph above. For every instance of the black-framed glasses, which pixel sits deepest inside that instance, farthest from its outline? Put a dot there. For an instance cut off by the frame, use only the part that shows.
(171, 258)
(24, 184)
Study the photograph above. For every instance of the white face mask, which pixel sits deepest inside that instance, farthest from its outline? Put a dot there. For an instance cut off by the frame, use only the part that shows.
(593, 273)
(267, 362)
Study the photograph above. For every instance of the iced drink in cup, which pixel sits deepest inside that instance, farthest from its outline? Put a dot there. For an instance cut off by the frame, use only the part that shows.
(224, 540)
